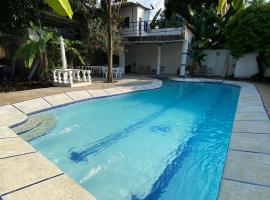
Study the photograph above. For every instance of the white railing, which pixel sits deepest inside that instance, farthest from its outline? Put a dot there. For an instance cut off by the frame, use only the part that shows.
(71, 76)
(102, 70)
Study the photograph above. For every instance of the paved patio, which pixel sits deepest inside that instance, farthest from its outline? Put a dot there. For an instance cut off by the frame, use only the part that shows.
(264, 90)
(98, 83)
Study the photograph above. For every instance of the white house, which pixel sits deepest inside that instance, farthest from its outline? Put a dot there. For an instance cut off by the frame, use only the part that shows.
(151, 49)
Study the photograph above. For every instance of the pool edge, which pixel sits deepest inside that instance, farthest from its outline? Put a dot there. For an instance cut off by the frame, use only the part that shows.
(44, 104)
(235, 186)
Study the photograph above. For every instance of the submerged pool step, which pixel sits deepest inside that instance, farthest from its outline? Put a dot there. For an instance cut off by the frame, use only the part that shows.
(36, 126)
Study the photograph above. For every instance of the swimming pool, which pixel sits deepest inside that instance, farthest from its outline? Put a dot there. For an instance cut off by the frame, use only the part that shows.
(164, 144)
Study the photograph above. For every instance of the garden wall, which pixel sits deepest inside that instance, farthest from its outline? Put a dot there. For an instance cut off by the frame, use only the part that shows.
(220, 61)
(246, 66)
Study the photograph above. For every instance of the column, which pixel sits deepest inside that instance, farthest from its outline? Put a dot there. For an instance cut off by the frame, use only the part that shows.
(158, 59)
(122, 58)
(183, 62)
(63, 53)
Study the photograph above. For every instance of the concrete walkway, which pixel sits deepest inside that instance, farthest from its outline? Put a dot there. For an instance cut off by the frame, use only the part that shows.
(98, 83)
(264, 90)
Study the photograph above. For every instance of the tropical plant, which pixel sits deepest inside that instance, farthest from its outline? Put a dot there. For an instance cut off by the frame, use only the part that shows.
(154, 22)
(233, 6)
(181, 7)
(61, 7)
(249, 31)
(72, 49)
(197, 56)
(17, 14)
(206, 26)
(36, 48)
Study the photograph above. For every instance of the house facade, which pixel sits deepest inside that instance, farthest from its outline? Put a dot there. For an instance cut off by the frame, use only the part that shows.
(152, 46)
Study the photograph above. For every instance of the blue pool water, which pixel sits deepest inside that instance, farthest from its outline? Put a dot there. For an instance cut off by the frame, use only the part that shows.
(164, 144)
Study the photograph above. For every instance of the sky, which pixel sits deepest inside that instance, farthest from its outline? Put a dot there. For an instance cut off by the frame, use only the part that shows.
(156, 3)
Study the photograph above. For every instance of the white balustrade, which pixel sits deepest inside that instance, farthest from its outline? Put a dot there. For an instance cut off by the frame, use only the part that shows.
(71, 76)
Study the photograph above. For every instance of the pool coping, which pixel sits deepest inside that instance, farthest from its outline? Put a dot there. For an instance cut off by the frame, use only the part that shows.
(250, 110)
(246, 173)
(33, 182)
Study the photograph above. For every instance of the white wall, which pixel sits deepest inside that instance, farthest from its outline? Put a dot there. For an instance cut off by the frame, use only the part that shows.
(145, 57)
(219, 62)
(267, 72)
(246, 66)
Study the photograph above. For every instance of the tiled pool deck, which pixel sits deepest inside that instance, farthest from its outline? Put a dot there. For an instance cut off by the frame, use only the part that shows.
(26, 174)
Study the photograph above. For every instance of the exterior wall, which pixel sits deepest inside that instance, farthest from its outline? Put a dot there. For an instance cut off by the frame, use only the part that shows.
(129, 11)
(267, 72)
(246, 66)
(218, 61)
(145, 57)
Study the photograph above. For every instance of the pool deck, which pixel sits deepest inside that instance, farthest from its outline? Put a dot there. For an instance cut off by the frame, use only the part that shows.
(26, 174)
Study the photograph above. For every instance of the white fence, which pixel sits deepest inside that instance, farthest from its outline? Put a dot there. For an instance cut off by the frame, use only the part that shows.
(68, 77)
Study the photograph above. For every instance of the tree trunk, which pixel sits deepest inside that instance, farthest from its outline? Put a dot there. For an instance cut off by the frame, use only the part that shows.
(46, 64)
(110, 43)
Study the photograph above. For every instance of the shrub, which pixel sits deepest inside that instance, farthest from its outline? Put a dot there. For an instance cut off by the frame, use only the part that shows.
(249, 31)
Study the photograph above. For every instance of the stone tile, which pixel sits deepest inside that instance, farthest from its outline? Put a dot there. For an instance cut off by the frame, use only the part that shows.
(58, 99)
(33, 105)
(58, 188)
(250, 142)
(14, 146)
(79, 95)
(248, 167)
(252, 126)
(249, 109)
(177, 79)
(149, 87)
(20, 171)
(192, 80)
(157, 83)
(138, 87)
(126, 89)
(231, 190)
(113, 91)
(251, 116)
(249, 98)
(5, 132)
(9, 116)
(211, 80)
(98, 93)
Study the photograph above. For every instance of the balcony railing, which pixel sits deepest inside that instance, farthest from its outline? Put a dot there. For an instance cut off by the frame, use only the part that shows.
(150, 28)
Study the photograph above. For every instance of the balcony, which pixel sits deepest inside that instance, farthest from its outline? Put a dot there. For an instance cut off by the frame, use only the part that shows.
(150, 31)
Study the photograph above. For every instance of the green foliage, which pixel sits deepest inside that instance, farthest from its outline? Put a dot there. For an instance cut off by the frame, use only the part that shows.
(33, 46)
(36, 48)
(249, 31)
(207, 27)
(196, 54)
(233, 6)
(181, 6)
(61, 7)
(72, 49)
(17, 14)
(154, 22)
